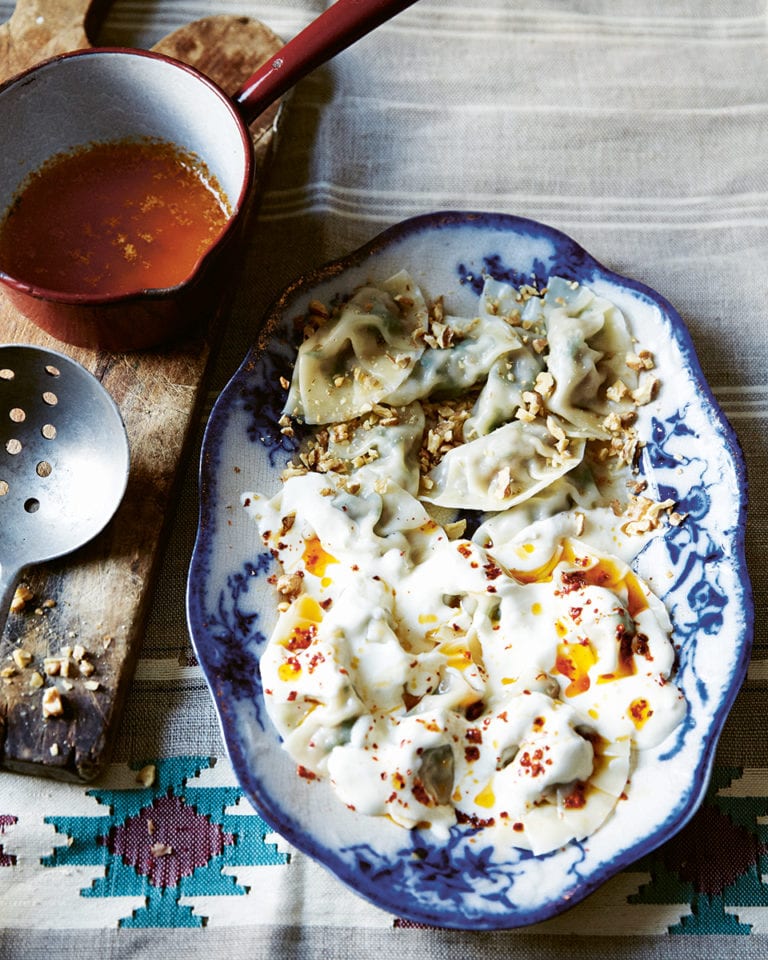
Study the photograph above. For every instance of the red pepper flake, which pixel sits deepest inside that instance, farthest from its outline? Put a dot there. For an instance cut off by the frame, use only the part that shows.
(519, 827)
(532, 762)
(291, 696)
(492, 570)
(640, 710)
(471, 754)
(576, 799)
(317, 659)
(465, 550)
(473, 820)
(306, 774)
(302, 637)
(572, 580)
(538, 723)
(474, 735)
(641, 646)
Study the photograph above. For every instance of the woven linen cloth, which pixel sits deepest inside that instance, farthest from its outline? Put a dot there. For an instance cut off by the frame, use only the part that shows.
(639, 128)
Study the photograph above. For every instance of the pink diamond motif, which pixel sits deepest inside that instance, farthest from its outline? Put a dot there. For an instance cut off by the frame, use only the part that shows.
(6, 859)
(167, 840)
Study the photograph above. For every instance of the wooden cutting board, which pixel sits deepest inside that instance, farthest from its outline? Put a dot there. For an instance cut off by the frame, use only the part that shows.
(87, 611)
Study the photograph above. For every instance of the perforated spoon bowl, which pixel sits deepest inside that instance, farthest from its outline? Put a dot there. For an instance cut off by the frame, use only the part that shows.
(64, 460)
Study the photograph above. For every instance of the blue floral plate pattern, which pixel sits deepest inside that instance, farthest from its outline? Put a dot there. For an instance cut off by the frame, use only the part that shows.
(690, 455)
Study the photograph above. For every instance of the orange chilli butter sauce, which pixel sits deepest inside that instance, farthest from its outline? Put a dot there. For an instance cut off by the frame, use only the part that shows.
(112, 218)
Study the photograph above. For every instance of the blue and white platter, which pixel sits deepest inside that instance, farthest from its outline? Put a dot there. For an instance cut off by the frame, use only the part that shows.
(690, 455)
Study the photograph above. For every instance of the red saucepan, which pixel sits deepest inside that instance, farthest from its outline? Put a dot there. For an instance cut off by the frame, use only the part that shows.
(118, 95)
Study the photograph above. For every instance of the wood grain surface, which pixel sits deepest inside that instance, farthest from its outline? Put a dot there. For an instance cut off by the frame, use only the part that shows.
(81, 628)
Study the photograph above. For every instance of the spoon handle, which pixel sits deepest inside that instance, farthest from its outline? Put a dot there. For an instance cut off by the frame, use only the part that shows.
(341, 25)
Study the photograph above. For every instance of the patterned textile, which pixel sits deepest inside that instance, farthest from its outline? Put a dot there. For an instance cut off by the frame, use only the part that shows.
(640, 129)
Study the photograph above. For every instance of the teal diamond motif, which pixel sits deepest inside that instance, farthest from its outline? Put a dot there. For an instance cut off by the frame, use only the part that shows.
(165, 842)
(715, 865)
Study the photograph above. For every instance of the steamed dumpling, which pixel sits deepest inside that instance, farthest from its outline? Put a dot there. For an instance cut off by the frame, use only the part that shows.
(361, 356)
(501, 469)
(588, 343)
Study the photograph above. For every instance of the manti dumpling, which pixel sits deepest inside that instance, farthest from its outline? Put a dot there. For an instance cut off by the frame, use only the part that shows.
(361, 356)
(588, 343)
(382, 445)
(448, 372)
(500, 469)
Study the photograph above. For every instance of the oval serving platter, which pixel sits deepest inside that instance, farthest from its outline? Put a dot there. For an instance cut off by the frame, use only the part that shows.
(690, 455)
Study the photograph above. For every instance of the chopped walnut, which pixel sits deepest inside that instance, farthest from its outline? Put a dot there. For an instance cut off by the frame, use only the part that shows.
(533, 402)
(556, 431)
(286, 427)
(456, 529)
(21, 597)
(618, 391)
(290, 584)
(524, 414)
(52, 666)
(640, 361)
(22, 658)
(146, 776)
(53, 705)
(86, 668)
(437, 334)
(545, 384)
(612, 423)
(646, 391)
(644, 514)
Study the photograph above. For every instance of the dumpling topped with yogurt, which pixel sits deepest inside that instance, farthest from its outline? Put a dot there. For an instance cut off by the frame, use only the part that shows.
(501, 680)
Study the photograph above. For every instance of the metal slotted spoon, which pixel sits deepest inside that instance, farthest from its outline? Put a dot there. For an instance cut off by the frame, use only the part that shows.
(63, 460)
